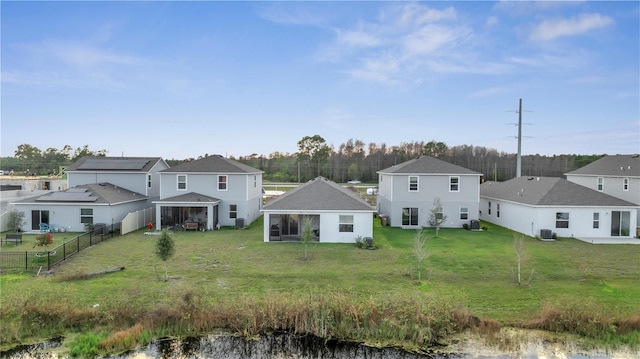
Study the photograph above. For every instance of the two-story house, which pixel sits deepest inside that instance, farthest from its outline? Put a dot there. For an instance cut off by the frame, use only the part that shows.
(407, 192)
(100, 190)
(617, 176)
(207, 193)
(137, 174)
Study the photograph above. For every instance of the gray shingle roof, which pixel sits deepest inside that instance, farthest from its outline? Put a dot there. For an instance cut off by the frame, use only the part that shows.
(122, 164)
(548, 191)
(212, 164)
(96, 193)
(428, 165)
(618, 165)
(319, 194)
(189, 197)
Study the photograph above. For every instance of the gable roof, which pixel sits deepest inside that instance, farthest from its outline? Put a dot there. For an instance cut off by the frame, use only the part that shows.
(118, 164)
(617, 165)
(319, 194)
(95, 193)
(548, 191)
(212, 164)
(428, 165)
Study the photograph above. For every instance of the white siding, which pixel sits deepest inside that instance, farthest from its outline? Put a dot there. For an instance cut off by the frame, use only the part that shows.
(529, 220)
(394, 195)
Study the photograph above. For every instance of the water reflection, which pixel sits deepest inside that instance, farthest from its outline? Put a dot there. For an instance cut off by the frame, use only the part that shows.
(264, 347)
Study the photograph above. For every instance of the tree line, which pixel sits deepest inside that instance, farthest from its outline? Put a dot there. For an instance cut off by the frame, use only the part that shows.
(352, 160)
(356, 160)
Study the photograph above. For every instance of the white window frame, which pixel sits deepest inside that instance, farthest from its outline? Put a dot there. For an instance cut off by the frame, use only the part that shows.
(596, 220)
(560, 219)
(179, 181)
(454, 187)
(417, 184)
(600, 184)
(255, 181)
(345, 223)
(497, 210)
(221, 182)
(149, 180)
(625, 184)
(489, 208)
(464, 213)
(86, 215)
(233, 211)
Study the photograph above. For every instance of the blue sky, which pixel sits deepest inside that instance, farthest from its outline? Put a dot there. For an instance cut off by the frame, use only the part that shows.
(184, 79)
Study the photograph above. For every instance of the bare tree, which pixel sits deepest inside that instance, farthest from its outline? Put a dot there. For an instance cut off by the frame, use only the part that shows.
(436, 215)
(518, 246)
(419, 249)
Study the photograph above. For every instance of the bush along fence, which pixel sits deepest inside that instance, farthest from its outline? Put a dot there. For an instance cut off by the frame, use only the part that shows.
(45, 258)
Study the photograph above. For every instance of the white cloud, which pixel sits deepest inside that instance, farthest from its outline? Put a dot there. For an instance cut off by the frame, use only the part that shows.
(357, 38)
(412, 15)
(553, 29)
(402, 45)
(491, 21)
(85, 56)
(488, 92)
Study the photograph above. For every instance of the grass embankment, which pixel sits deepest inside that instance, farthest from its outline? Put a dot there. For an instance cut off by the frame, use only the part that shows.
(231, 280)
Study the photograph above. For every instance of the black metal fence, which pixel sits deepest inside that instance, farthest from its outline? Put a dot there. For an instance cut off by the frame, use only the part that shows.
(45, 260)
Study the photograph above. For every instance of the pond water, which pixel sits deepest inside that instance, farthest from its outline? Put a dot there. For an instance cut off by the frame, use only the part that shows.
(294, 347)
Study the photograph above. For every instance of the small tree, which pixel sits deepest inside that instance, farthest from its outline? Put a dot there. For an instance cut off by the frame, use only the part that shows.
(307, 234)
(43, 240)
(15, 221)
(436, 215)
(419, 241)
(164, 250)
(518, 246)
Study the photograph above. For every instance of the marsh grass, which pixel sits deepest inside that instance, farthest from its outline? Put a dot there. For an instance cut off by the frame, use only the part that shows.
(231, 280)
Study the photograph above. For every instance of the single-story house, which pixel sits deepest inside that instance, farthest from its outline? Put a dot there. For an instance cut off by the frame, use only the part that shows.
(541, 206)
(76, 207)
(338, 215)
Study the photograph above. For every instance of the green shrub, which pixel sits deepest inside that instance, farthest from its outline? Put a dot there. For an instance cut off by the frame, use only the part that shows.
(84, 346)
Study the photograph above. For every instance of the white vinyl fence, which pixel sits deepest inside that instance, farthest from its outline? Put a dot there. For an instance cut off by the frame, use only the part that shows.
(4, 222)
(136, 220)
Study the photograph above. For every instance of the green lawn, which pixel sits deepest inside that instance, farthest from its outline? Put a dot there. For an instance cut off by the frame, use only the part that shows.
(473, 269)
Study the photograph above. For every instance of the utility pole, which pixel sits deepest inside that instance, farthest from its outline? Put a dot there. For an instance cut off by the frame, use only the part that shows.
(519, 158)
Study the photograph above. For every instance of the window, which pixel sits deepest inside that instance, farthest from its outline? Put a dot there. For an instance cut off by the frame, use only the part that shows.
(233, 211)
(222, 183)
(255, 181)
(489, 208)
(596, 220)
(600, 185)
(86, 215)
(346, 223)
(409, 216)
(182, 182)
(498, 210)
(454, 184)
(148, 181)
(464, 212)
(413, 183)
(562, 220)
(625, 184)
